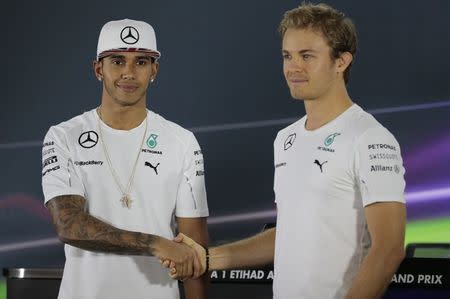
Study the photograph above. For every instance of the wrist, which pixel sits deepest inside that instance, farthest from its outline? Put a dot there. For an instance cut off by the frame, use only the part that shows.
(214, 259)
(207, 260)
(155, 246)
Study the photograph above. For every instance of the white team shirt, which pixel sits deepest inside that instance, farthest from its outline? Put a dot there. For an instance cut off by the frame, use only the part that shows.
(169, 181)
(323, 180)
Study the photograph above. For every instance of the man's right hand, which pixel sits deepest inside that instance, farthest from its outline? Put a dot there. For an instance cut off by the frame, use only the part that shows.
(199, 251)
(184, 260)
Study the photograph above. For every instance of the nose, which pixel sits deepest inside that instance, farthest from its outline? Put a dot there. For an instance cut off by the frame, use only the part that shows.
(295, 64)
(128, 71)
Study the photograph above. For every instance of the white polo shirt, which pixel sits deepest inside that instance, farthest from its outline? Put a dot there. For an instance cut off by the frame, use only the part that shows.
(323, 180)
(168, 182)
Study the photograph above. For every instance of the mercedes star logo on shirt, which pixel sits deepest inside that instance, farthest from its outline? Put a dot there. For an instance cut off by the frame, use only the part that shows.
(289, 141)
(88, 139)
(129, 35)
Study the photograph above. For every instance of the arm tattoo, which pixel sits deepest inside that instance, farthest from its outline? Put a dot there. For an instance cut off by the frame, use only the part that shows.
(77, 228)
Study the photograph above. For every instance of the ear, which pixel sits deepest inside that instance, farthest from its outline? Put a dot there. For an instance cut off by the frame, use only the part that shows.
(98, 71)
(155, 68)
(343, 61)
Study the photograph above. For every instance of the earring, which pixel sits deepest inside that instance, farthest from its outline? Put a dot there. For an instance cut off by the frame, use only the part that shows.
(151, 80)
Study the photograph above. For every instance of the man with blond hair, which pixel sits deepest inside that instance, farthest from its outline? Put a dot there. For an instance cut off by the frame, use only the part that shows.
(339, 185)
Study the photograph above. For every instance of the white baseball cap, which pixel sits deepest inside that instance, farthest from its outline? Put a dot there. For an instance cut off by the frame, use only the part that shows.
(127, 35)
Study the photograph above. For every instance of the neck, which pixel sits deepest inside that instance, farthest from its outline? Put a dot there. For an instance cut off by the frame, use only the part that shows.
(324, 109)
(122, 117)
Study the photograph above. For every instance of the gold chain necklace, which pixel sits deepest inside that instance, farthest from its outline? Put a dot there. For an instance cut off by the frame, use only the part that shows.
(126, 198)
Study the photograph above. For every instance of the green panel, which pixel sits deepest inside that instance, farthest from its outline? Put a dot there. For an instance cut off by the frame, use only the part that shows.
(2, 289)
(432, 252)
(428, 231)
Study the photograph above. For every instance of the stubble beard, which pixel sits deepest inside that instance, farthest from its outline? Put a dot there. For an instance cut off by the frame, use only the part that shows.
(123, 101)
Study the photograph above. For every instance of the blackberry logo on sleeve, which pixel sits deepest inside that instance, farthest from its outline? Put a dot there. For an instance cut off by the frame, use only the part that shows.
(289, 141)
(151, 141)
(129, 35)
(49, 160)
(197, 152)
(155, 168)
(88, 139)
(320, 164)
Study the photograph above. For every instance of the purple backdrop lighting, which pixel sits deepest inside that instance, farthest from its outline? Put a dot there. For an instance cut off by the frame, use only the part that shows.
(436, 151)
(428, 195)
(428, 203)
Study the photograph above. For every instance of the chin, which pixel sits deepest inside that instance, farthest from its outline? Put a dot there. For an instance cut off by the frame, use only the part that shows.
(297, 95)
(303, 96)
(127, 102)
(130, 99)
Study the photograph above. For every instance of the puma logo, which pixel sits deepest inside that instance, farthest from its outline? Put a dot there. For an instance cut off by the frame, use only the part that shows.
(318, 164)
(155, 168)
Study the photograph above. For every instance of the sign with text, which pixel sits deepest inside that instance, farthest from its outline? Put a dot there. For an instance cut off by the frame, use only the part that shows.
(413, 272)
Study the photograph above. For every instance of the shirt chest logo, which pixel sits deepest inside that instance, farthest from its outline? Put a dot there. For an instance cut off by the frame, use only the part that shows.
(88, 139)
(154, 167)
(289, 141)
(317, 162)
(330, 139)
(328, 142)
(151, 141)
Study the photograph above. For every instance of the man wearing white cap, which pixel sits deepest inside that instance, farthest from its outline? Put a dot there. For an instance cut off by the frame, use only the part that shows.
(119, 178)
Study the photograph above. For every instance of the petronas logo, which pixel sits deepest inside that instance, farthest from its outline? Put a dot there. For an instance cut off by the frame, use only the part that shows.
(330, 139)
(151, 141)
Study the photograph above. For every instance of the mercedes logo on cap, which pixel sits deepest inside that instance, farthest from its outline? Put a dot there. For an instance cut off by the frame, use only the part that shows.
(129, 35)
(289, 141)
(88, 139)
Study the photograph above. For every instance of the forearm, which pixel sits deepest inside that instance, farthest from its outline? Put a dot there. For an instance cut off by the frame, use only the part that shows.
(375, 274)
(80, 229)
(254, 251)
(90, 233)
(196, 288)
(197, 229)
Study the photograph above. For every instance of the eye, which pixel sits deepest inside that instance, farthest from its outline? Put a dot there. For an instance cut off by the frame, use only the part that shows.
(141, 62)
(286, 56)
(306, 56)
(116, 62)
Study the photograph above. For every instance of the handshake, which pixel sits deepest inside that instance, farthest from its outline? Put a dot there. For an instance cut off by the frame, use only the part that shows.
(185, 258)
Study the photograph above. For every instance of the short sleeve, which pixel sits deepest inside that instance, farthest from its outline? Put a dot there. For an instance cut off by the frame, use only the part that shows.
(58, 174)
(191, 197)
(379, 167)
(275, 164)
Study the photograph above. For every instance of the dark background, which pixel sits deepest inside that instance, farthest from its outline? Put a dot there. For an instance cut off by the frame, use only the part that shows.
(221, 76)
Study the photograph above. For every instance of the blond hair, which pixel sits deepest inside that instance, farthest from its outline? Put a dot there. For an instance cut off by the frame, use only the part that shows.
(338, 30)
